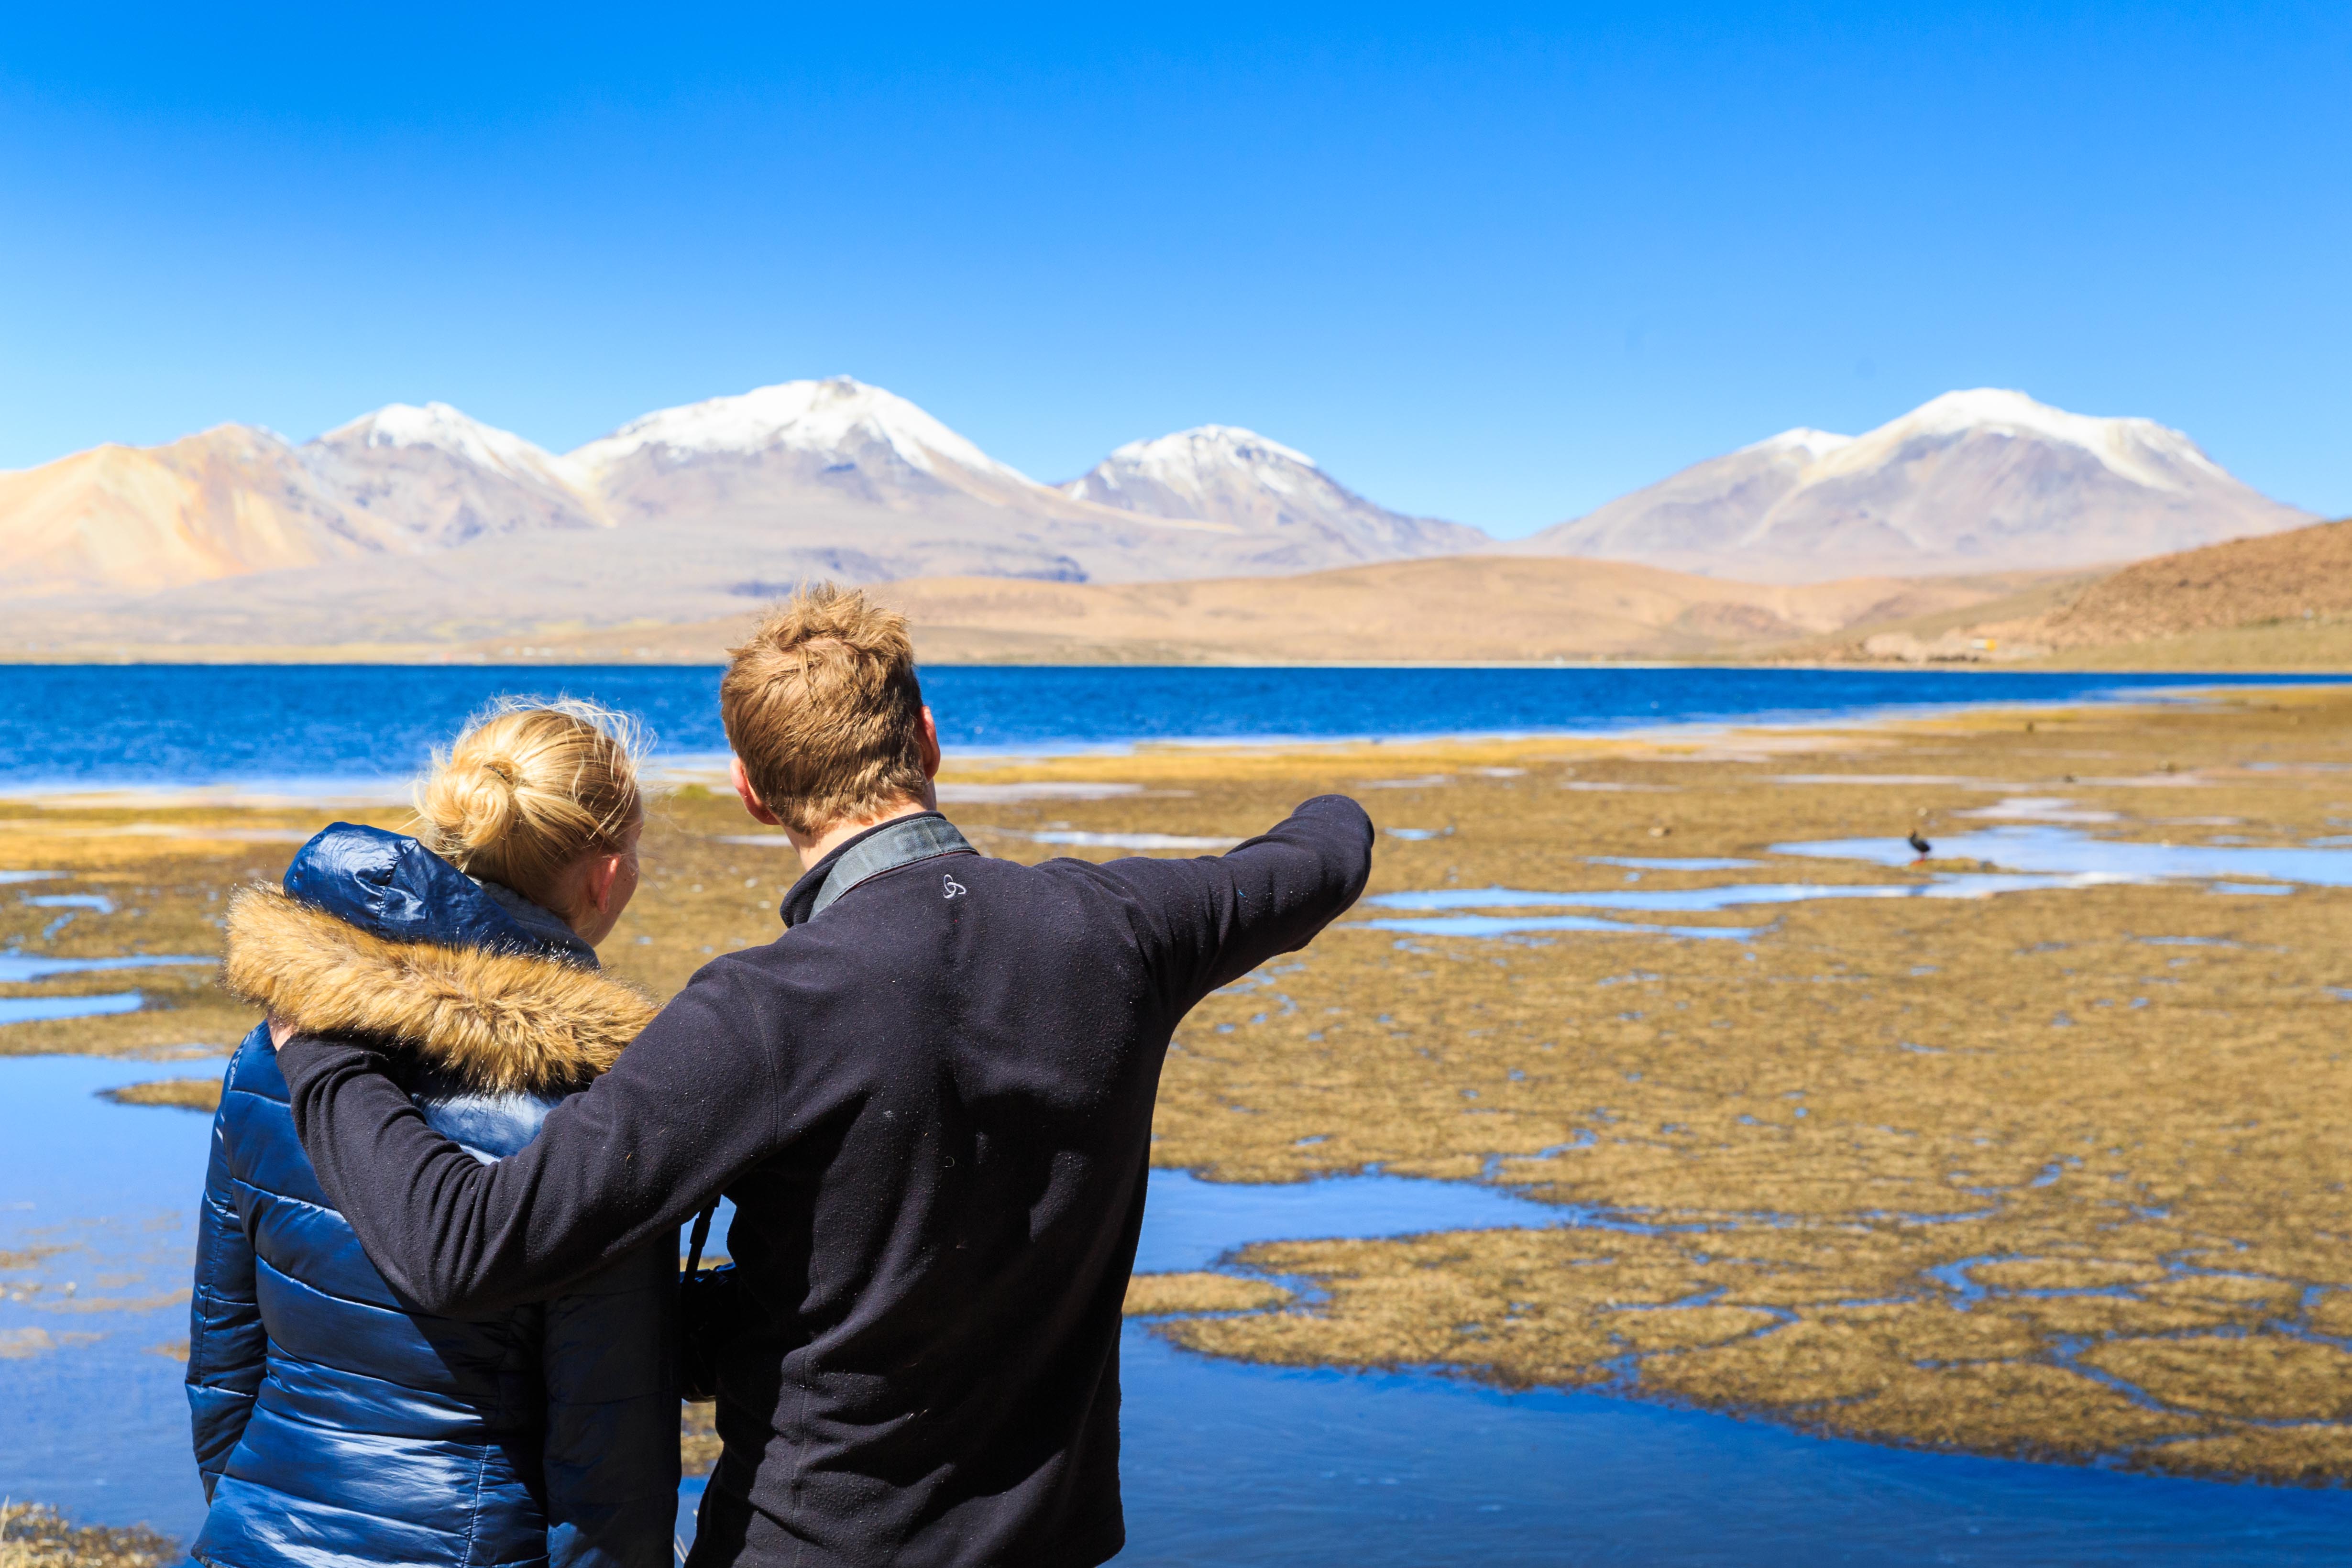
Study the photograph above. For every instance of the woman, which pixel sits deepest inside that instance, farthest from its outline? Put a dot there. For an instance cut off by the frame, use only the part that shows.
(332, 1426)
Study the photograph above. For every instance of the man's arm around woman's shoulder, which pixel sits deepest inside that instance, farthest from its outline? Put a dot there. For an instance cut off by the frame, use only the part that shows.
(687, 1106)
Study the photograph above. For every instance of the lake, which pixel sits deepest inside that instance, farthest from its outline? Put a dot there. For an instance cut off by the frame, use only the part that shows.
(314, 729)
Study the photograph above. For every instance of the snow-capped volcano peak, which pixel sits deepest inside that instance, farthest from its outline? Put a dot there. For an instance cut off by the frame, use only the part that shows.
(1185, 474)
(440, 478)
(833, 417)
(447, 429)
(1168, 458)
(2138, 450)
(1805, 442)
(1979, 480)
(1224, 473)
(2002, 408)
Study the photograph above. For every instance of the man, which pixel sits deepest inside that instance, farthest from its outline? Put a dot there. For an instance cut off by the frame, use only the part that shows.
(930, 1100)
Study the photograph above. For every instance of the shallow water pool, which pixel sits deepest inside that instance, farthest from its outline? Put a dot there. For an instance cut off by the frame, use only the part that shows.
(1677, 900)
(1226, 1465)
(40, 1010)
(2063, 850)
(98, 1424)
(16, 969)
(1223, 1464)
(2028, 859)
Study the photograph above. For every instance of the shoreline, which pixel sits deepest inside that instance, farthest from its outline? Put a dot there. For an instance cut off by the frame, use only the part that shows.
(424, 658)
(709, 768)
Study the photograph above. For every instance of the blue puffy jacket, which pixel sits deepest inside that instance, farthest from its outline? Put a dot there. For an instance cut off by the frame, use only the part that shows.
(333, 1426)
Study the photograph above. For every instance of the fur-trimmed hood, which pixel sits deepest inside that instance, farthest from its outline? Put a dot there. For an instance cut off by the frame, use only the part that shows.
(499, 1015)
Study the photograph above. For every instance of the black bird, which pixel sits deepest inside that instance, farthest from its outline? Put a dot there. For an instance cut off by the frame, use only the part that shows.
(1919, 844)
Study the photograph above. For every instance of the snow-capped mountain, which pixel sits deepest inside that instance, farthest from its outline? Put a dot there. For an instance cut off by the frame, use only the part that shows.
(443, 478)
(438, 426)
(1220, 473)
(835, 477)
(1698, 512)
(425, 516)
(1971, 481)
(685, 512)
(838, 435)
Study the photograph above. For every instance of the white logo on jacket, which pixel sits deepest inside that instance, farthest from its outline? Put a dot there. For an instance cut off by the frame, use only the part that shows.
(950, 888)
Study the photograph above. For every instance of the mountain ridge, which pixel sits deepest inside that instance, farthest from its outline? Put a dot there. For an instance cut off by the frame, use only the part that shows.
(1974, 480)
(1224, 470)
(684, 510)
(228, 501)
(1444, 608)
(2276, 601)
(446, 478)
(688, 504)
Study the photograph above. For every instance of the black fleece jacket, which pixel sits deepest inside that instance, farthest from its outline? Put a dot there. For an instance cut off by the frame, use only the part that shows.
(931, 1106)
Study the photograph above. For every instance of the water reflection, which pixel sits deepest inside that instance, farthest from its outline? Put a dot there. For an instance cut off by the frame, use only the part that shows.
(15, 968)
(2059, 850)
(1223, 1464)
(42, 1009)
(2028, 859)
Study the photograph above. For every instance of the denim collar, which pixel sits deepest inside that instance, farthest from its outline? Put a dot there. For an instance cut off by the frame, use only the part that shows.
(900, 842)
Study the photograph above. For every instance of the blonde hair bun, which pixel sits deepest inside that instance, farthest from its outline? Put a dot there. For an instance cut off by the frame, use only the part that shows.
(530, 787)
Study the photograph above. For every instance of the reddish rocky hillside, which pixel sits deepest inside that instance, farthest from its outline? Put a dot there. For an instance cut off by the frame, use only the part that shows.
(2305, 574)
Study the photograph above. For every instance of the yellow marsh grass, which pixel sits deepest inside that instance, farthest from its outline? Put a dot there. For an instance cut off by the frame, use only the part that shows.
(26, 1257)
(1897, 1126)
(187, 1093)
(32, 1536)
(1154, 1295)
(697, 1439)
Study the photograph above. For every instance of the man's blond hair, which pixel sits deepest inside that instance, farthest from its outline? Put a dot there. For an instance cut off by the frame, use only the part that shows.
(823, 706)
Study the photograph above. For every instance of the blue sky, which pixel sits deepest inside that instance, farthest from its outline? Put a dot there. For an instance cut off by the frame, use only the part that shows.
(1496, 267)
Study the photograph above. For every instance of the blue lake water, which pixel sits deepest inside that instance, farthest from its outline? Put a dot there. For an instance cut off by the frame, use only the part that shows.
(316, 726)
(1223, 1465)
(1226, 1466)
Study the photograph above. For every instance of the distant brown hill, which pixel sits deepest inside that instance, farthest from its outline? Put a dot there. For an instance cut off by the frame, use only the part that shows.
(2280, 601)
(1975, 481)
(1454, 608)
(2303, 575)
(1459, 609)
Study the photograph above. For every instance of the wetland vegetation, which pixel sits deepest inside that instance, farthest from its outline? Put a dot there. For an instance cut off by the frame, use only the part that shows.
(35, 1537)
(182, 1093)
(2056, 1172)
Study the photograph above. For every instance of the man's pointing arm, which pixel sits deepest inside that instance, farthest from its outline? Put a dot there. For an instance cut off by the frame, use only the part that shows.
(691, 1103)
(1220, 916)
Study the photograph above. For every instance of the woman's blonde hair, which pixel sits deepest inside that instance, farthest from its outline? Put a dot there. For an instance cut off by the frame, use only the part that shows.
(530, 787)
